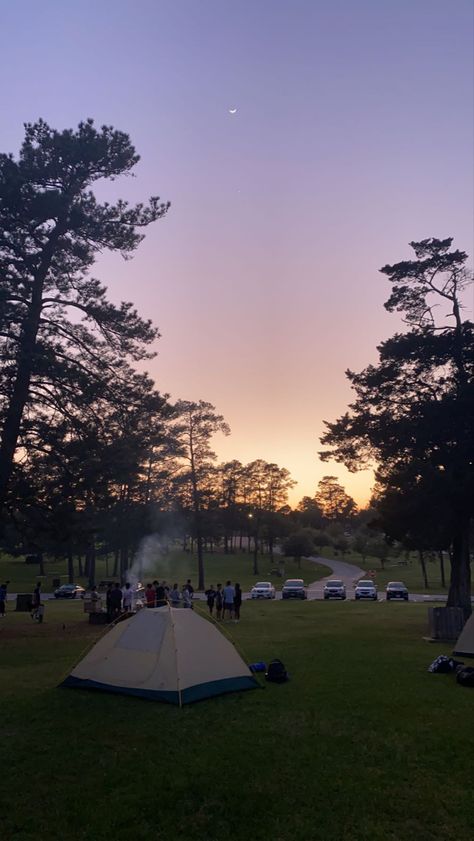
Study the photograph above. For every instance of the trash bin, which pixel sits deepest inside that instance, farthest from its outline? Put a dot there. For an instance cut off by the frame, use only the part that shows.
(92, 605)
(23, 602)
(446, 623)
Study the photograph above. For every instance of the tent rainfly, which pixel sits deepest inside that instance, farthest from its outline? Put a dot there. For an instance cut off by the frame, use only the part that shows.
(465, 643)
(164, 654)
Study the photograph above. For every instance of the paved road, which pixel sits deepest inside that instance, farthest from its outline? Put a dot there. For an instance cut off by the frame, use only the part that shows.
(348, 573)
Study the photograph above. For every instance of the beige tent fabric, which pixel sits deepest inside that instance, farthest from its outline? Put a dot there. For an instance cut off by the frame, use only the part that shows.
(465, 643)
(169, 654)
(203, 652)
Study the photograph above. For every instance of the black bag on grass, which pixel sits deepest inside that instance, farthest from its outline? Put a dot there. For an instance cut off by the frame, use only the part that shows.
(444, 665)
(276, 672)
(465, 676)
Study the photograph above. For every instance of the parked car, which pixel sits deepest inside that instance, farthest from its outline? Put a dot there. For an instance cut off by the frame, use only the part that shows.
(396, 590)
(263, 590)
(294, 588)
(334, 589)
(69, 591)
(366, 590)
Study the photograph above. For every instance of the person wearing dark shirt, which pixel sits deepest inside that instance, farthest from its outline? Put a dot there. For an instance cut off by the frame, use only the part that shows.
(116, 601)
(108, 601)
(211, 597)
(160, 595)
(3, 598)
(219, 601)
(190, 587)
(237, 602)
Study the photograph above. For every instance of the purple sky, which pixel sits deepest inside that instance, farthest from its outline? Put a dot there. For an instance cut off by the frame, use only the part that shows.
(353, 136)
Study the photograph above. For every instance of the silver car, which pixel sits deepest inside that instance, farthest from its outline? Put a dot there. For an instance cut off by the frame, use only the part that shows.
(334, 589)
(263, 590)
(366, 590)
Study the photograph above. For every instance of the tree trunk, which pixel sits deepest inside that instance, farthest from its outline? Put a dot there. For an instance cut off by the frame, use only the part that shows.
(116, 563)
(91, 564)
(460, 586)
(41, 564)
(255, 555)
(200, 555)
(70, 566)
(80, 570)
(423, 568)
(441, 568)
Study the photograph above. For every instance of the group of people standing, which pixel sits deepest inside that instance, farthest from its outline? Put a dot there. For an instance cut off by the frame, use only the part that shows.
(117, 601)
(157, 595)
(226, 601)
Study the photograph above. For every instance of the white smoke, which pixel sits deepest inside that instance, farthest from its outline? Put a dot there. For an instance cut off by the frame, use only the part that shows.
(151, 560)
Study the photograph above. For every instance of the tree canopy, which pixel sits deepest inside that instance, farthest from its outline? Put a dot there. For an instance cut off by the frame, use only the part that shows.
(64, 344)
(414, 412)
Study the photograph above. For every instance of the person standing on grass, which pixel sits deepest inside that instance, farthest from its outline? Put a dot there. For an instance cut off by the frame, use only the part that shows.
(190, 588)
(36, 601)
(127, 598)
(150, 596)
(3, 598)
(175, 596)
(237, 602)
(160, 595)
(229, 596)
(211, 597)
(116, 601)
(108, 601)
(187, 598)
(219, 601)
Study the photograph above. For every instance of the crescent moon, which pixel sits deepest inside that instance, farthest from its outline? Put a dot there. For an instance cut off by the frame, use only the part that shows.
(232, 110)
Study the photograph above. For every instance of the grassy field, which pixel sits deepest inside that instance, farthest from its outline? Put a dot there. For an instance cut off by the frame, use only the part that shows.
(410, 573)
(361, 745)
(173, 566)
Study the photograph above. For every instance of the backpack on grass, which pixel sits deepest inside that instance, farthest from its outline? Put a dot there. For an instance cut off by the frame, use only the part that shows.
(465, 676)
(444, 665)
(276, 672)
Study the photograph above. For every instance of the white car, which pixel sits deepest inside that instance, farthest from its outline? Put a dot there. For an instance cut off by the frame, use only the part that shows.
(366, 590)
(334, 589)
(263, 590)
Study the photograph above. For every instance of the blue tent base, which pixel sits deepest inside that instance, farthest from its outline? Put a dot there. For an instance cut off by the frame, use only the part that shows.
(199, 692)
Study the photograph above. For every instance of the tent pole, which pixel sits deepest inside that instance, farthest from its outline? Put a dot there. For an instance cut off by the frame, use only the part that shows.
(176, 655)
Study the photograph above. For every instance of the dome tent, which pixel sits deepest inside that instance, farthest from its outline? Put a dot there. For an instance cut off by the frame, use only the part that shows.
(164, 654)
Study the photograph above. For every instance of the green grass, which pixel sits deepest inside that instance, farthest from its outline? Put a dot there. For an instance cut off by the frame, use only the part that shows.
(361, 745)
(172, 566)
(410, 573)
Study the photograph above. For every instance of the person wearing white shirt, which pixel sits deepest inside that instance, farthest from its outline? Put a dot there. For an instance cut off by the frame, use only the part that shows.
(127, 598)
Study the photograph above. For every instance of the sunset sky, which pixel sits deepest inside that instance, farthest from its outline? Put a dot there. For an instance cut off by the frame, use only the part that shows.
(353, 136)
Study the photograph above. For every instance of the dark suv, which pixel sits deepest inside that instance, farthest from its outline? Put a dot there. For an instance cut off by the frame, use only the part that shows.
(294, 589)
(396, 590)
